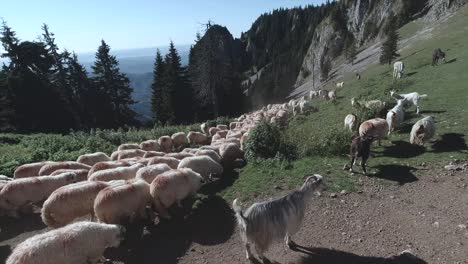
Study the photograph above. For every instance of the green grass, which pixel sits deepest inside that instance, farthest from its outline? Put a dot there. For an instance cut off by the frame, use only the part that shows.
(319, 136)
(447, 101)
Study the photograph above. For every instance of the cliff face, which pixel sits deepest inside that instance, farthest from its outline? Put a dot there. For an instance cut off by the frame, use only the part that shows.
(215, 63)
(365, 23)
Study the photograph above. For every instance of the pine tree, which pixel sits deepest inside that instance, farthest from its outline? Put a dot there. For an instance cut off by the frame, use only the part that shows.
(178, 87)
(390, 46)
(10, 44)
(159, 101)
(114, 86)
(351, 52)
(85, 98)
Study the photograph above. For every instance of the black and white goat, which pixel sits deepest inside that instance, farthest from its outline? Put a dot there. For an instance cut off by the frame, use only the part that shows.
(262, 223)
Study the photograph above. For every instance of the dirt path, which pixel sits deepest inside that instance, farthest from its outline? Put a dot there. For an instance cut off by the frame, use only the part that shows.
(428, 216)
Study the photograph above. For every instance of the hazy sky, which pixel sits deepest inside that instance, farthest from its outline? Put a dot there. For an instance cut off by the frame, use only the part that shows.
(79, 25)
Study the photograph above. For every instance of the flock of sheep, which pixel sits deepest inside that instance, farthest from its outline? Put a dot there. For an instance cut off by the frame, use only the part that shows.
(120, 189)
(156, 174)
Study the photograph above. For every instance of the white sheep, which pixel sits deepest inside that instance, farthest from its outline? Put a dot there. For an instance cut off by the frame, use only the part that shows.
(148, 173)
(340, 84)
(213, 131)
(104, 165)
(197, 138)
(395, 116)
(222, 127)
(350, 122)
(210, 153)
(29, 170)
(128, 146)
(129, 153)
(70, 202)
(19, 194)
(179, 140)
(409, 98)
(165, 143)
(122, 203)
(422, 131)
(172, 187)
(230, 152)
(172, 162)
(179, 155)
(150, 145)
(376, 128)
(120, 173)
(150, 154)
(203, 165)
(48, 168)
(93, 158)
(77, 243)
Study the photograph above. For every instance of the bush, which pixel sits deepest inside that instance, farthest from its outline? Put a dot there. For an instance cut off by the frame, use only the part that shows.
(336, 142)
(263, 142)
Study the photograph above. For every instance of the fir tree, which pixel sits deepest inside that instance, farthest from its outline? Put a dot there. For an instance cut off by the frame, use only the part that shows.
(159, 101)
(114, 86)
(390, 46)
(351, 51)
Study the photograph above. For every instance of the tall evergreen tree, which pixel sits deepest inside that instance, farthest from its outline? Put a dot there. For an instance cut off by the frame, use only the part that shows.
(350, 50)
(114, 86)
(177, 85)
(160, 102)
(390, 46)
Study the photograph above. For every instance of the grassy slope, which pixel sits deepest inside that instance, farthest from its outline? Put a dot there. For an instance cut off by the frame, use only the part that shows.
(446, 86)
(447, 101)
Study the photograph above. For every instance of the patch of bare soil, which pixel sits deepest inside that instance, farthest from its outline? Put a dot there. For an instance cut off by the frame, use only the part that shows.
(423, 211)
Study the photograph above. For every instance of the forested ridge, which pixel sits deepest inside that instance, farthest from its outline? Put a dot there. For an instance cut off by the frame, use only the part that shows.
(45, 88)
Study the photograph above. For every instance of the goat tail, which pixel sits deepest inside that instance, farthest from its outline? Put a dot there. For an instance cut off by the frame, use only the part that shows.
(423, 95)
(239, 214)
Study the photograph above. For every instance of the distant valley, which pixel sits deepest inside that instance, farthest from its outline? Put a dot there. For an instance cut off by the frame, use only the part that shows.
(138, 65)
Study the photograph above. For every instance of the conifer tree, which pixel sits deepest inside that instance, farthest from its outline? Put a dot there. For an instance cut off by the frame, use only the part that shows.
(114, 86)
(390, 46)
(351, 52)
(159, 101)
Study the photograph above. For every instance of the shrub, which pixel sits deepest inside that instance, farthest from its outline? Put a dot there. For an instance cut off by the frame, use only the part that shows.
(263, 142)
(335, 142)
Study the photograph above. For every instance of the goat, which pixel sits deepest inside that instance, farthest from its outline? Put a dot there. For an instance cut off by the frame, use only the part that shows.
(437, 54)
(360, 148)
(340, 84)
(264, 222)
(398, 68)
(350, 121)
(409, 98)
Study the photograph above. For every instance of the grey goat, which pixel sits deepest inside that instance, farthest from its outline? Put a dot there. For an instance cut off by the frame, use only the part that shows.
(264, 222)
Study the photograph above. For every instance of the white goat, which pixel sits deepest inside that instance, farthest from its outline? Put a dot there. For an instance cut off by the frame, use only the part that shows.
(409, 98)
(398, 68)
(395, 116)
(350, 122)
(340, 84)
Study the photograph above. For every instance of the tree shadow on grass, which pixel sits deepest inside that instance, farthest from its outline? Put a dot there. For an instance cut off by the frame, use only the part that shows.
(398, 173)
(328, 256)
(210, 222)
(402, 150)
(451, 61)
(432, 112)
(450, 142)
